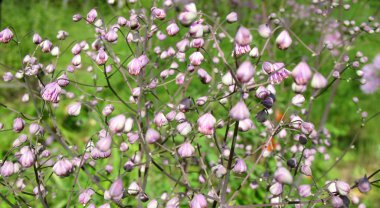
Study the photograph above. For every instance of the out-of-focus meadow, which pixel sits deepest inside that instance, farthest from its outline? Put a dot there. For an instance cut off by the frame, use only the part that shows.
(48, 17)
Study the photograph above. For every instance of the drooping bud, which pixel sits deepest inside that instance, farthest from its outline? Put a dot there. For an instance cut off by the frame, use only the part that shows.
(264, 30)
(172, 29)
(239, 111)
(91, 16)
(134, 66)
(74, 109)
(18, 125)
(304, 190)
(63, 167)
(276, 189)
(51, 92)
(198, 201)
(27, 157)
(363, 185)
(283, 40)
(184, 128)
(186, 150)
(102, 57)
(318, 81)
(206, 124)
(7, 169)
(245, 72)
(133, 189)
(6, 35)
(117, 123)
(240, 166)
(232, 17)
(116, 190)
(37, 38)
(302, 73)
(283, 175)
(196, 58)
(152, 136)
(160, 119)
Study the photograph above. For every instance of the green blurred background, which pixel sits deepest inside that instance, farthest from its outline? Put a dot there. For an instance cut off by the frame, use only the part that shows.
(48, 17)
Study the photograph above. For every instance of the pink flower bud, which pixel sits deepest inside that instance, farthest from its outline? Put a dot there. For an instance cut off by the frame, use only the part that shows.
(35, 129)
(160, 119)
(124, 147)
(122, 21)
(111, 36)
(245, 72)
(116, 190)
(239, 111)
(264, 30)
(268, 67)
(318, 81)
(343, 188)
(240, 166)
(197, 43)
(196, 58)
(51, 92)
(204, 76)
(134, 66)
(243, 36)
(77, 17)
(232, 17)
(305, 169)
(262, 92)
(254, 53)
(104, 143)
(133, 189)
(304, 190)
(63, 80)
(298, 88)
(302, 73)
(180, 79)
(62, 35)
(18, 125)
(198, 201)
(184, 128)
(183, 45)
(27, 157)
(188, 15)
(117, 123)
(283, 40)
(77, 60)
(102, 57)
(196, 29)
(7, 169)
(37, 38)
(74, 109)
(282, 175)
(246, 124)
(364, 185)
(46, 46)
(276, 189)
(7, 77)
(186, 150)
(76, 49)
(107, 110)
(6, 35)
(91, 16)
(152, 136)
(63, 167)
(85, 196)
(337, 202)
(206, 124)
(172, 29)
(298, 100)
(158, 13)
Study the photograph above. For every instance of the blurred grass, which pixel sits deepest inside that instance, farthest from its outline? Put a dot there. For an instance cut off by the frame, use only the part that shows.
(47, 17)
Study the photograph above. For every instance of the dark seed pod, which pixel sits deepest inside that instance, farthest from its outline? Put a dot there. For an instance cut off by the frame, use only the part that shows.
(185, 104)
(262, 116)
(292, 163)
(302, 140)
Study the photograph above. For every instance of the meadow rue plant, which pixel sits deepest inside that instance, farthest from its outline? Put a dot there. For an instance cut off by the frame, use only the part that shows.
(184, 105)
